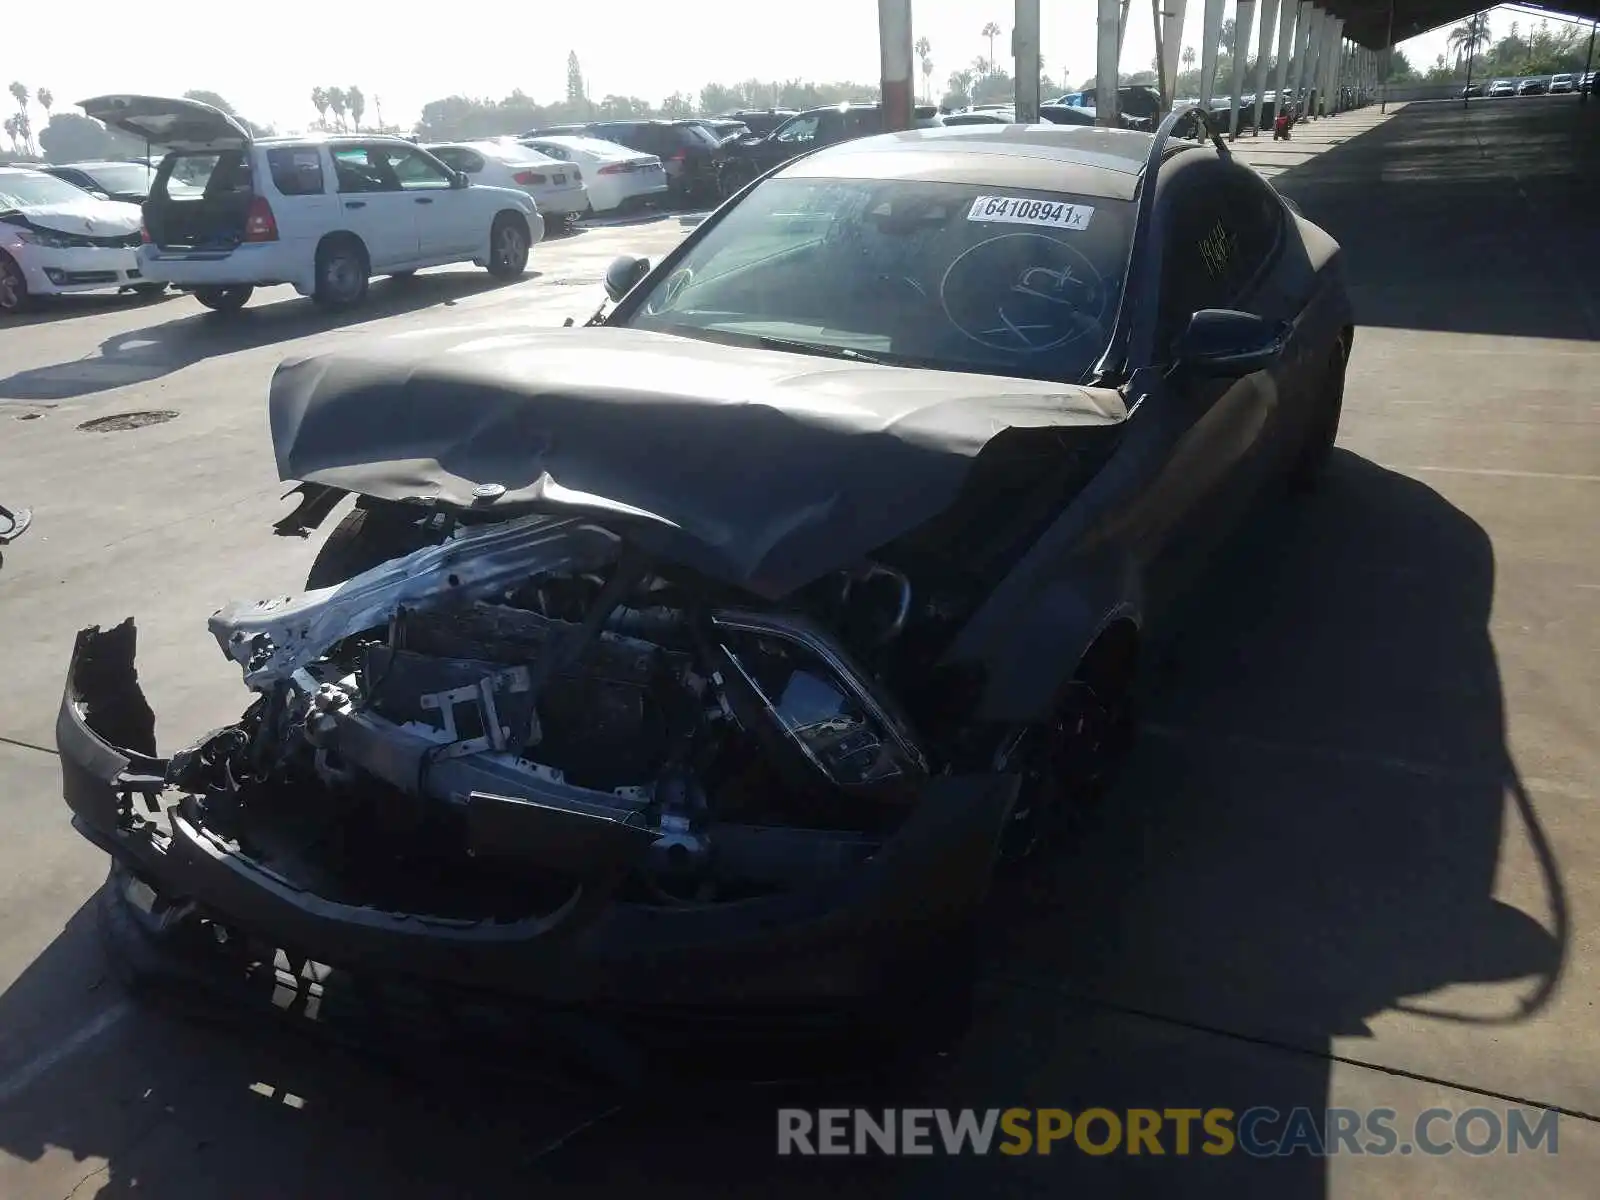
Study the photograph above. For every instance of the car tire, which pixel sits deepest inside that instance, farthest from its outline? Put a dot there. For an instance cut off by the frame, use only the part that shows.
(148, 290)
(411, 274)
(366, 538)
(343, 273)
(1324, 430)
(14, 297)
(509, 243)
(224, 299)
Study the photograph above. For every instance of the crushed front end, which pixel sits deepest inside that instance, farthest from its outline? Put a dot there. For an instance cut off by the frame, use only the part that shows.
(530, 762)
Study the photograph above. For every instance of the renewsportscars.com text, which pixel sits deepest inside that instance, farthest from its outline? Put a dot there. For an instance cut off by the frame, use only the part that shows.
(1259, 1132)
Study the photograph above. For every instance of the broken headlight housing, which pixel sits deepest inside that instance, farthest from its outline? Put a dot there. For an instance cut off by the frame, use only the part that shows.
(787, 683)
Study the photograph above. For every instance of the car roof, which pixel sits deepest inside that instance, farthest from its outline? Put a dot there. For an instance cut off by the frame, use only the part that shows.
(334, 139)
(99, 162)
(1081, 160)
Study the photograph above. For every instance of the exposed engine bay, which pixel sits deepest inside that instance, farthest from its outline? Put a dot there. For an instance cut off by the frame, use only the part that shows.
(469, 730)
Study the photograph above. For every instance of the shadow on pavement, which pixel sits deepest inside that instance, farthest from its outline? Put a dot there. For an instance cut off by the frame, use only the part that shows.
(1307, 835)
(141, 355)
(1477, 220)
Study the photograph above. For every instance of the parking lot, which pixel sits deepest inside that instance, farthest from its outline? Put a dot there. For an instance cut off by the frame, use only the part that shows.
(1350, 865)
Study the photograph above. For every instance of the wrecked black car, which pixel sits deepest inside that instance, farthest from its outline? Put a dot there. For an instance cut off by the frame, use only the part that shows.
(716, 656)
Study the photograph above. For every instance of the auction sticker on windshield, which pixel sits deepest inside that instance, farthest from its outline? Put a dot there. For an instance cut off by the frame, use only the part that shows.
(1017, 210)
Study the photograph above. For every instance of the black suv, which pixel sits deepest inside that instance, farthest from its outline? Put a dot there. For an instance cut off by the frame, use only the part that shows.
(809, 130)
(688, 151)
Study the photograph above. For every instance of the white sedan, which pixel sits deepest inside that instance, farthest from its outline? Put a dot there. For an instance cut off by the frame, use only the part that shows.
(56, 238)
(617, 177)
(556, 187)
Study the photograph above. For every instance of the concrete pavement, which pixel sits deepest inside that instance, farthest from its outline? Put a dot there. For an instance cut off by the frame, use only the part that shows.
(1350, 864)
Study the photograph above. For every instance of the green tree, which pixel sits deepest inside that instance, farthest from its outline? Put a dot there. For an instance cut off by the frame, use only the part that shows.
(924, 49)
(679, 104)
(575, 92)
(319, 101)
(24, 127)
(339, 104)
(991, 31)
(357, 103)
(212, 98)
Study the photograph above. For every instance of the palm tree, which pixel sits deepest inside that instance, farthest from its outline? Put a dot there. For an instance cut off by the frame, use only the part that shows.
(11, 132)
(319, 101)
(924, 49)
(47, 100)
(358, 105)
(19, 93)
(337, 102)
(991, 31)
(1468, 38)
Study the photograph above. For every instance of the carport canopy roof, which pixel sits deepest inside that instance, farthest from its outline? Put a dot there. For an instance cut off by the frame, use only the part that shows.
(1366, 22)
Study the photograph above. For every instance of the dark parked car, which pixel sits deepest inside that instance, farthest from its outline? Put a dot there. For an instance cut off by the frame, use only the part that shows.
(760, 121)
(1532, 87)
(129, 182)
(806, 131)
(1474, 89)
(745, 634)
(691, 154)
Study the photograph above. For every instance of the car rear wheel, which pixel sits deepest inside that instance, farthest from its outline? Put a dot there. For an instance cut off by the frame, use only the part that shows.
(149, 289)
(224, 299)
(366, 538)
(14, 296)
(342, 273)
(508, 247)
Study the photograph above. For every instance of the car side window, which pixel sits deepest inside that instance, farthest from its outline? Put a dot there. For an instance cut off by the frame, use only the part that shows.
(830, 128)
(551, 150)
(459, 158)
(1260, 223)
(296, 171)
(799, 130)
(1195, 251)
(364, 169)
(419, 171)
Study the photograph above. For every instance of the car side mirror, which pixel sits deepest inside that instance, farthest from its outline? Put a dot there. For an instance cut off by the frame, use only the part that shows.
(458, 179)
(1225, 343)
(623, 274)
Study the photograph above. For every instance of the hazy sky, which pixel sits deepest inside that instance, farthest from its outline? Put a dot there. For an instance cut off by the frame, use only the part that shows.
(266, 60)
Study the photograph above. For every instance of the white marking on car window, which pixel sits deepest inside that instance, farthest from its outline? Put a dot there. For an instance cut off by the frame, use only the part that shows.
(1020, 210)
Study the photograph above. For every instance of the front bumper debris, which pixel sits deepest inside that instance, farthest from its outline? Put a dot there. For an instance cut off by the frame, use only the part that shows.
(867, 938)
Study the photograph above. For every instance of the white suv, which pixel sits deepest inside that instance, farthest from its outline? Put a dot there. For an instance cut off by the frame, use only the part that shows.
(229, 212)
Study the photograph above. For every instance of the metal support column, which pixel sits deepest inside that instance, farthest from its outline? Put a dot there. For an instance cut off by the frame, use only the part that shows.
(1269, 22)
(1210, 36)
(1243, 20)
(1025, 54)
(1310, 15)
(1308, 78)
(1108, 55)
(1287, 20)
(1171, 47)
(894, 58)
(1336, 67)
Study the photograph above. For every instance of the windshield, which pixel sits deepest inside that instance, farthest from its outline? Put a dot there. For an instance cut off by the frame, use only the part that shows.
(954, 276)
(25, 189)
(122, 177)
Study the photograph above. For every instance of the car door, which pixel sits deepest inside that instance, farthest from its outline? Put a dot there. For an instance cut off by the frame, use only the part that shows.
(1208, 435)
(374, 207)
(449, 223)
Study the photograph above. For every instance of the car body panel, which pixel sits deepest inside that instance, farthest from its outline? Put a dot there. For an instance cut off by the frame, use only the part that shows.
(401, 230)
(79, 244)
(781, 466)
(615, 176)
(837, 457)
(559, 188)
(175, 123)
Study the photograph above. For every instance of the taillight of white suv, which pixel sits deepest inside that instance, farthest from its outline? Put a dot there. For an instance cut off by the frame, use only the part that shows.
(259, 223)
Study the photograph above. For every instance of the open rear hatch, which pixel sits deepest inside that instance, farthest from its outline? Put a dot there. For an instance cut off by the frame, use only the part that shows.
(201, 196)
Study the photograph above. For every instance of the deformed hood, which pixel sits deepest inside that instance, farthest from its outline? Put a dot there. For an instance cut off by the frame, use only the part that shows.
(88, 217)
(760, 468)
